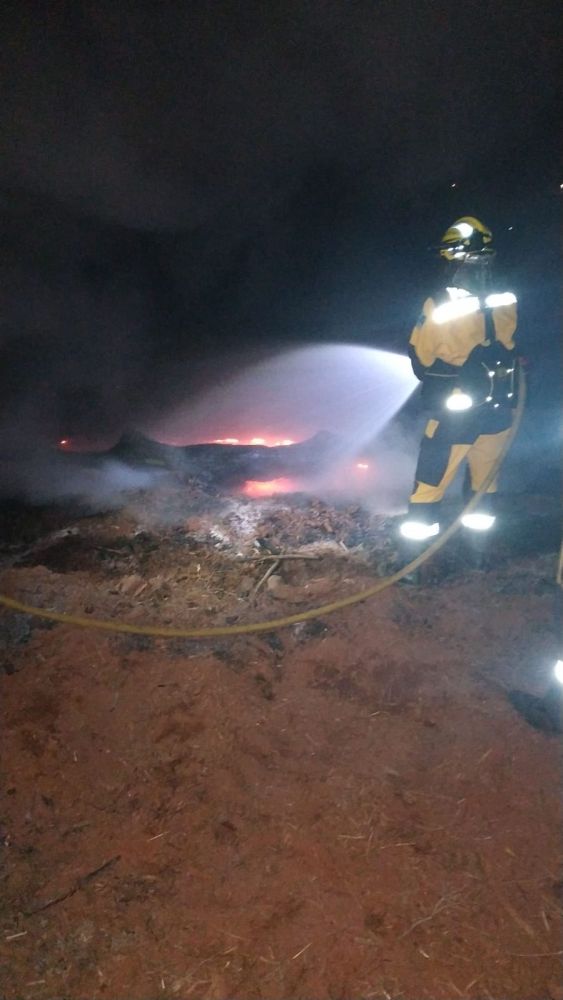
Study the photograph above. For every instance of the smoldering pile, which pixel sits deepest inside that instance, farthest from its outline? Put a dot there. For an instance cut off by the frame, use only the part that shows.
(188, 555)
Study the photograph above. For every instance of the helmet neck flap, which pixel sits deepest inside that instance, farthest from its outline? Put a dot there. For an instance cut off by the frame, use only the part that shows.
(474, 274)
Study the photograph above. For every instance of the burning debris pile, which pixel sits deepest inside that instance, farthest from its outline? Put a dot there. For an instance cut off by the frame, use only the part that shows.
(258, 468)
(226, 463)
(193, 556)
(190, 554)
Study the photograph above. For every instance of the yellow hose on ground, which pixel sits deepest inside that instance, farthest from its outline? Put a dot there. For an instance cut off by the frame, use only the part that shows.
(275, 623)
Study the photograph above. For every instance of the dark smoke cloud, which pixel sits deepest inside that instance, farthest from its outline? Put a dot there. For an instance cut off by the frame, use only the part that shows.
(182, 178)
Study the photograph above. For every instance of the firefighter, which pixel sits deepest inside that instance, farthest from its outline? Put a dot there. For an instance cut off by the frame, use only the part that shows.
(462, 350)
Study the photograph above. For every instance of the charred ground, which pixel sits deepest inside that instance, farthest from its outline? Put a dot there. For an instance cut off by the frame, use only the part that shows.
(347, 808)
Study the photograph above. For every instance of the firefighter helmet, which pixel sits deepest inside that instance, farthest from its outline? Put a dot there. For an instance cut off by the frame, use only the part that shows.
(467, 237)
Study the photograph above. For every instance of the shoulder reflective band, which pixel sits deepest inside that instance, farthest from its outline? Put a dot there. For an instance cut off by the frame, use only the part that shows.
(466, 305)
(453, 310)
(500, 299)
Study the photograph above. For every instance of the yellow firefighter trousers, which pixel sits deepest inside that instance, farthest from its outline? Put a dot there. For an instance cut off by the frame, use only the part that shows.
(481, 456)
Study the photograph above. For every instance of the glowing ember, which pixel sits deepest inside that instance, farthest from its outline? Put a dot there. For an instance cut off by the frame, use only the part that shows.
(264, 441)
(64, 442)
(254, 488)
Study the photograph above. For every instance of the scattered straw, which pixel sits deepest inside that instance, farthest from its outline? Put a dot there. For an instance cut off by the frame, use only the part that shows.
(301, 952)
(523, 924)
(534, 954)
(438, 907)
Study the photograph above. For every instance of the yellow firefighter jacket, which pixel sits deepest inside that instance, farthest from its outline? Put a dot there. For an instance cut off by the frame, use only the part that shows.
(453, 341)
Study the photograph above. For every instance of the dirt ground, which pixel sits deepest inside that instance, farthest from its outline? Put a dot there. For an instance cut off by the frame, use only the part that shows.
(349, 808)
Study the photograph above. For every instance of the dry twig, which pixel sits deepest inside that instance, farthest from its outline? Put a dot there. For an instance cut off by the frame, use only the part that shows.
(79, 884)
(269, 572)
(285, 555)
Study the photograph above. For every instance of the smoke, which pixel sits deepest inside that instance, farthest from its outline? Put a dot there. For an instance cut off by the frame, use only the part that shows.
(31, 468)
(46, 479)
(380, 476)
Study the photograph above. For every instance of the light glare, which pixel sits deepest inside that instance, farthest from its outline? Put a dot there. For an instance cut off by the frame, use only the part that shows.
(478, 522)
(558, 671)
(500, 299)
(419, 530)
(449, 311)
(459, 401)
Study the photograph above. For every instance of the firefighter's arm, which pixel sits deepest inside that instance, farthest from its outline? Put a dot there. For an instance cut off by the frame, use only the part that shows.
(422, 343)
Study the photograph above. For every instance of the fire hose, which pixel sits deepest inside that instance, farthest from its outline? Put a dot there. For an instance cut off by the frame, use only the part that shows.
(217, 631)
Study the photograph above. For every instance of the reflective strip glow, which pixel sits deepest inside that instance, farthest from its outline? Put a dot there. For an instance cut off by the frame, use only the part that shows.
(464, 229)
(459, 401)
(478, 522)
(463, 304)
(500, 299)
(453, 310)
(558, 671)
(418, 530)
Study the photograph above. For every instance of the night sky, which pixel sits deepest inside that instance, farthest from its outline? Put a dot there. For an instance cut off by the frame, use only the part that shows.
(183, 185)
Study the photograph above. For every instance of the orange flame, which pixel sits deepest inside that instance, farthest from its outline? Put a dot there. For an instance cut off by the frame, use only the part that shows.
(255, 488)
(255, 440)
